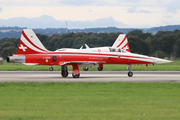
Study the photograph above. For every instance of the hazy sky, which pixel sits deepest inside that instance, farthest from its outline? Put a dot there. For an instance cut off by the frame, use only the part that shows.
(134, 13)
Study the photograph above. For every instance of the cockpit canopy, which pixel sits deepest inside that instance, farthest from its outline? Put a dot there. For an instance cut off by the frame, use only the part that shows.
(116, 50)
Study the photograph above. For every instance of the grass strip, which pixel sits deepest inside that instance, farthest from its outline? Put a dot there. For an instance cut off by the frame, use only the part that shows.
(90, 101)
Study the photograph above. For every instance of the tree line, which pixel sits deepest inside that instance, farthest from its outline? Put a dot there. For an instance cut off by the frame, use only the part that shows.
(162, 44)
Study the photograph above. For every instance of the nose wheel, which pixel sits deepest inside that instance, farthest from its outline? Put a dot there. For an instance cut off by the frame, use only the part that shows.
(130, 74)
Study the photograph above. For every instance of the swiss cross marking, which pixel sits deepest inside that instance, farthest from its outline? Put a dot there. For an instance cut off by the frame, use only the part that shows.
(22, 47)
(126, 48)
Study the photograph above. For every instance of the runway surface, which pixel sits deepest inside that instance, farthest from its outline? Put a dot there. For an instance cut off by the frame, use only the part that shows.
(90, 76)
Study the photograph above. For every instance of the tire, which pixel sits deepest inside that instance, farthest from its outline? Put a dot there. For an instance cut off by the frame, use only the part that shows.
(100, 68)
(85, 68)
(130, 74)
(51, 69)
(64, 73)
(76, 75)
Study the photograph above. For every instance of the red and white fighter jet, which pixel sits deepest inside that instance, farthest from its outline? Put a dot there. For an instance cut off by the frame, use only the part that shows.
(31, 52)
(121, 42)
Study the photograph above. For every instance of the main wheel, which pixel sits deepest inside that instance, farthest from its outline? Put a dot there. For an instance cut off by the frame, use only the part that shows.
(100, 68)
(130, 74)
(64, 73)
(51, 68)
(85, 68)
(76, 75)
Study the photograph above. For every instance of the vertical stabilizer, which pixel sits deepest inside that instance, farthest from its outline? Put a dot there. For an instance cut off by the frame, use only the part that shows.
(122, 42)
(29, 43)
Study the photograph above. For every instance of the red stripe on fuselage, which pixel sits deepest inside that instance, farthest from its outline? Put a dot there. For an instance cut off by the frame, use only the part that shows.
(68, 57)
(95, 54)
(75, 53)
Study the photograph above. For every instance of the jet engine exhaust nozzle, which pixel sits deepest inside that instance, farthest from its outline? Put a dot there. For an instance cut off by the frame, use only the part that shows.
(16, 59)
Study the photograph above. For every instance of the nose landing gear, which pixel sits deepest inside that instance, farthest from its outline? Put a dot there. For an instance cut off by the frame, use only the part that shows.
(130, 74)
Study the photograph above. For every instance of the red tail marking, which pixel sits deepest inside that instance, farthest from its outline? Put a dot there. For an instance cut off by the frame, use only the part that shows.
(122, 41)
(31, 41)
(126, 47)
(23, 49)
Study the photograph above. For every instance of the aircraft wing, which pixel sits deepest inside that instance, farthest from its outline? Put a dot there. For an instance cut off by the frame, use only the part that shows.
(31, 63)
(66, 63)
(82, 62)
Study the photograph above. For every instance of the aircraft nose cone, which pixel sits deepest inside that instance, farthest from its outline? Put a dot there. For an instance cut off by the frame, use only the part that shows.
(160, 61)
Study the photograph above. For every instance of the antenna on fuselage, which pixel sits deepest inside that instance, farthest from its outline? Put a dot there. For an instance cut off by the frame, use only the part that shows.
(87, 47)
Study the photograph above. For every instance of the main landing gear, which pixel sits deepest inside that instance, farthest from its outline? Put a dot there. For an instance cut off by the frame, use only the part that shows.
(75, 74)
(100, 68)
(130, 74)
(51, 68)
(85, 68)
(64, 71)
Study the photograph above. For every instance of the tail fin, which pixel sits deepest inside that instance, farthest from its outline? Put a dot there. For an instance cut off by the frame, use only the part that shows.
(29, 43)
(122, 42)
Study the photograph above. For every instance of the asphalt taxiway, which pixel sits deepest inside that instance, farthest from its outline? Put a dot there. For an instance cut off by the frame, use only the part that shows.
(90, 76)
